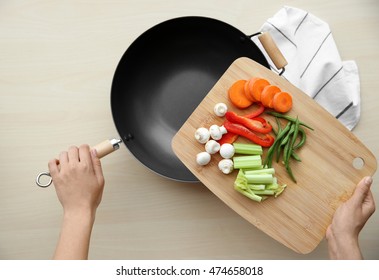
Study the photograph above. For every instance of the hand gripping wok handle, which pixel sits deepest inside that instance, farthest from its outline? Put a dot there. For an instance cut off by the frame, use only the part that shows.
(272, 50)
(102, 149)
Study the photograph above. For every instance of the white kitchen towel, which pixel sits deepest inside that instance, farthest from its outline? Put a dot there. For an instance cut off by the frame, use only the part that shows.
(314, 63)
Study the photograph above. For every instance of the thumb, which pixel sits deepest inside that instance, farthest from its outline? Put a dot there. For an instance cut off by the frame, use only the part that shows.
(97, 166)
(362, 190)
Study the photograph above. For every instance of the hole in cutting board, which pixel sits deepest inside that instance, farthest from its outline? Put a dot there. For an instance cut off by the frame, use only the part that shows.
(358, 163)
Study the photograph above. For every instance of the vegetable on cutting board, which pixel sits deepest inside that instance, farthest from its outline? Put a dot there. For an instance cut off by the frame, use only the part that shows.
(247, 162)
(266, 141)
(220, 109)
(226, 166)
(244, 93)
(255, 88)
(203, 158)
(282, 102)
(267, 96)
(212, 147)
(227, 150)
(256, 124)
(287, 142)
(202, 135)
(247, 149)
(267, 186)
(230, 137)
(254, 180)
(216, 131)
(237, 95)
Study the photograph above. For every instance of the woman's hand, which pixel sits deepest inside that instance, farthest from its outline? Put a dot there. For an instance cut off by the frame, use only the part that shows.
(79, 183)
(348, 221)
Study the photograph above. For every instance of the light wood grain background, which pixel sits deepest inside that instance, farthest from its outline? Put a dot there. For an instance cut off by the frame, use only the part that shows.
(57, 60)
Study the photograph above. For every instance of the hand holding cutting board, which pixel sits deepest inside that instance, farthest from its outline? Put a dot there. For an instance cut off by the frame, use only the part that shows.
(348, 221)
(326, 177)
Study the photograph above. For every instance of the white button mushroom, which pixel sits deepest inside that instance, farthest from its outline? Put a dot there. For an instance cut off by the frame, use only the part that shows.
(203, 158)
(217, 131)
(227, 150)
(212, 147)
(220, 109)
(226, 166)
(202, 135)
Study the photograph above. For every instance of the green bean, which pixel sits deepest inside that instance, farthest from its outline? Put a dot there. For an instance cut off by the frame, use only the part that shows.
(286, 142)
(295, 156)
(302, 139)
(278, 124)
(286, 153)
(288, 118)
(271, 150)
(285, 139)
(290, 148)
(295, 132)
(289, 171)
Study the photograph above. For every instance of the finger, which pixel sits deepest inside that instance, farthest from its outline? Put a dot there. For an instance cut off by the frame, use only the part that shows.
(73, 154)
(362, 190)
(63, 158)
(368, 207)
(96, 163)
(53, 167)
(85, 155)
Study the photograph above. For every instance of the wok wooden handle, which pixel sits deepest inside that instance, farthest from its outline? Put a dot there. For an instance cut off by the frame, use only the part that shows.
(272, 50)
(106, 147)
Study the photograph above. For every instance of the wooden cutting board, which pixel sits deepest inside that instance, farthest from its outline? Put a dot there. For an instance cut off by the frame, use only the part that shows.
(326, 176)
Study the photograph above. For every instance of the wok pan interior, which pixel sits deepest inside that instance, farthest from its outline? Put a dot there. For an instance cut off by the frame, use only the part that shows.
(161, 79)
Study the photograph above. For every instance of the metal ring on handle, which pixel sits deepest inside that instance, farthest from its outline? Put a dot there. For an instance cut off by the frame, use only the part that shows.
(41, 184)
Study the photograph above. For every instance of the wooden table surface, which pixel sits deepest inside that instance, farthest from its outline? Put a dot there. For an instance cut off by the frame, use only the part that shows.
(57, 60)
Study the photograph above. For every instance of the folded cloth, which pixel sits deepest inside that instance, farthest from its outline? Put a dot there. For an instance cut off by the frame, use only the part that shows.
(314, 64)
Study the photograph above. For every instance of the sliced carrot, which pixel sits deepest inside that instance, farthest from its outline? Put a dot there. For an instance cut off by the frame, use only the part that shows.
(247, 90)
(282, 102)
(268, 94)
(237, 95)
(256, 87)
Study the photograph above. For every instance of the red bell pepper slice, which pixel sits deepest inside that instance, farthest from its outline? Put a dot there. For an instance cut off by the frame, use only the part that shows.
(228, 137)
(241, 130)
(256, 113)
(256, 124)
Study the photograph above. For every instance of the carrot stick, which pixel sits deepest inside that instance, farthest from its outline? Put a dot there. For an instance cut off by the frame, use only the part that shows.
(237, 95)
(282, 102)
(256, 86)
(268, 94)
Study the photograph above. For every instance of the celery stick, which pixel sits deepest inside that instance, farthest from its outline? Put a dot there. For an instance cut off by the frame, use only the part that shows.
(260, 171)
(273, 186)
(264, 192)
(258, 184)
(249, 195)
(250, 191)
(247, 149)
(240, 181)
(259, 179)
(242, 162)
(255, 187)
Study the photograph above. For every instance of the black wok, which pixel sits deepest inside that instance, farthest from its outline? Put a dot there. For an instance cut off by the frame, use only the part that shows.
(163, 76)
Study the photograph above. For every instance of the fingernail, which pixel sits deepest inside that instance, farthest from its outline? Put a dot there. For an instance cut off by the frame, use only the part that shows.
(94, 152)
(368, 180)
